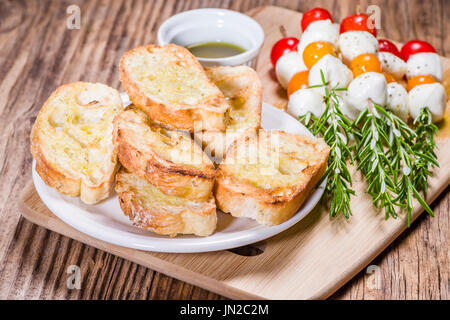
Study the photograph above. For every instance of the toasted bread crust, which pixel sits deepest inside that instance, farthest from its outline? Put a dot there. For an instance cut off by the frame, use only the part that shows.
(243, 199)
(268, 213)
(211, 111)
(200, 220)
(243, 90)
(55, 176)
(51, 176)
(171, 178)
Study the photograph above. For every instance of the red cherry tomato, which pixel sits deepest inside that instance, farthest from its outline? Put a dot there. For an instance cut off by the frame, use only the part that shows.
(281, 47)
(357, 22)
(415, 46)
(388, 46)
(314, 15)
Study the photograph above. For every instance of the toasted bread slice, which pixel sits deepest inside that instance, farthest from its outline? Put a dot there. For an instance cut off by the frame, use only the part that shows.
(169, 159)
(243, 91)
(149, 208)
(268, 177)
(71, 140)
(169, 84)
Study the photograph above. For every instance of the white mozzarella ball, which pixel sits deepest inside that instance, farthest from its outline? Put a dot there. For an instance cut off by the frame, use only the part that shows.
(392, 64)
(335, 72)
(432, 96)
(305, 100)
(346, 108)
(354, 43)
(370, 86)
(424, 63)
(397, 100)
(288, 65)
(321, 30)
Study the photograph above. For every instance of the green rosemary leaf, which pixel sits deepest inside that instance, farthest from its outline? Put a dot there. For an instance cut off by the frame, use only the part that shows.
(335, 129)
(425, 147)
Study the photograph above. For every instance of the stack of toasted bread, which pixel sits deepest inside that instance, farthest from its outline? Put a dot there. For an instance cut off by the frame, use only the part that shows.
(182, 119)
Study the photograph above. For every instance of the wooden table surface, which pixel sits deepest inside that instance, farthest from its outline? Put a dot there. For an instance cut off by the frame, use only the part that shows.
(38, 53)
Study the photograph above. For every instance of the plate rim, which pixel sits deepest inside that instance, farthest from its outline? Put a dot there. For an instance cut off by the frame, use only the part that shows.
(64, 210)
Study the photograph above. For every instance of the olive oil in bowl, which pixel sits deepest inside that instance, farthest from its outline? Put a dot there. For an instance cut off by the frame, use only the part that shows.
(214, 50)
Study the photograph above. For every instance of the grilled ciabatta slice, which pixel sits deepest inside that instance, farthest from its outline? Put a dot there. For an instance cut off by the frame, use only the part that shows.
(71, 140)
(243, 91)
(268, 177)
(169, 159)
(169, 84)
(149, 208)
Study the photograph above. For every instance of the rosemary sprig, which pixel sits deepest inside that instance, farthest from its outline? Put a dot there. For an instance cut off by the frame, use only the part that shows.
(424, 146)
(373, 162)
(402, 158)
(336, 129)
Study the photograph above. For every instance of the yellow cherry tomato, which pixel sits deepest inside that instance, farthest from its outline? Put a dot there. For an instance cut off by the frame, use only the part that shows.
(418, 80)
(389, 77)
(365, 62)
(298, 81)
(316, 51)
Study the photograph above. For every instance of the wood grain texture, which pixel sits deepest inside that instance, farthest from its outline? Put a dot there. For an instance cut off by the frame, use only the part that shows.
(39, 53)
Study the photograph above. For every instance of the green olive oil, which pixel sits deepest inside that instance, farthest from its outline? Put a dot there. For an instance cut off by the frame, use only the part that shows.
(213, 50)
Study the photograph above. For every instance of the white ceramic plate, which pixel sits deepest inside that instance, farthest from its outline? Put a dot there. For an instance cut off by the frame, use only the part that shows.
(105, 221)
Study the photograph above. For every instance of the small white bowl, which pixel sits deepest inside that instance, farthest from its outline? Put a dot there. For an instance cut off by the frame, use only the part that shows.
(210, 25)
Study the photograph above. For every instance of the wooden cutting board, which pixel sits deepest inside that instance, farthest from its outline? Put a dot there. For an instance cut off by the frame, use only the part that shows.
(312, 259)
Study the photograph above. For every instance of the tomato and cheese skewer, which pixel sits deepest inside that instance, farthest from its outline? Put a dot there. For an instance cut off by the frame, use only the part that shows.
(317, 25)
(319, 39)
(424, 73)
(357, 37)
(322, 30)
(287, 66)
(388, 93)
(317, 47)
(421, 60)
(359, 49)
(393, 69)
